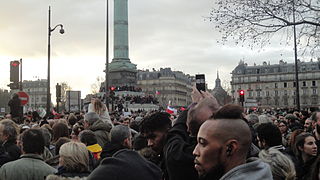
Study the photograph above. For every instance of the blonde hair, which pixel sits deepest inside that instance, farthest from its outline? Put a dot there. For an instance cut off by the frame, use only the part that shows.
(74, 156)
(281, 166)
(98, 106)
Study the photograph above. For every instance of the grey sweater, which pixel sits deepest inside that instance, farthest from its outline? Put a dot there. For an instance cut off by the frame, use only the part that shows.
(253, 169)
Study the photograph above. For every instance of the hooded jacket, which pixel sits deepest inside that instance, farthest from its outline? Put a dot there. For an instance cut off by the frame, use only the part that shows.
(101, 130)
(254, 169)
(126, 164)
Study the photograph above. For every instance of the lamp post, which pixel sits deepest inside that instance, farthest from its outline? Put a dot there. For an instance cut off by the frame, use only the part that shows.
(295, 57)
(49, 36)
(106, 87)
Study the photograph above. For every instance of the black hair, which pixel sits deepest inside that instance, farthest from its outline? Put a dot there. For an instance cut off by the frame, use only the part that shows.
(230, 111)
(270, 134)
(33, 141)
(155, 121)
(88, 137)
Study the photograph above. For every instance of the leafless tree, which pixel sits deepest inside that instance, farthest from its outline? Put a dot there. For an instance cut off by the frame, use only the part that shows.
(257, 21)
(95, 87)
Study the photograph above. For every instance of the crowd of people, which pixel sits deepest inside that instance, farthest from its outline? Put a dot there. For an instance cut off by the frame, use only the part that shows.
(205, 141)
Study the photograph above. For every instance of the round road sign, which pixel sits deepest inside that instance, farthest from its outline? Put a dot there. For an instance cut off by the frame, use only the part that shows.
(24, 97)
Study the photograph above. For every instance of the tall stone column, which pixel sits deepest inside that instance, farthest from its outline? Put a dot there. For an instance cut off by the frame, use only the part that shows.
(122, 71)
(121, 45)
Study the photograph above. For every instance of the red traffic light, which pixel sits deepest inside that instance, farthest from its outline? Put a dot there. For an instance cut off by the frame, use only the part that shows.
(112, 88)
(15, 63)
(241, 92)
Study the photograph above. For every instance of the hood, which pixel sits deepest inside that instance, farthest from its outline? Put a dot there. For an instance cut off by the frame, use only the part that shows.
(100, 125)
(253, 169)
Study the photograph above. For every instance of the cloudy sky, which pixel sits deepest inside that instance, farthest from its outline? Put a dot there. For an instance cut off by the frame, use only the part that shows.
(162, 33)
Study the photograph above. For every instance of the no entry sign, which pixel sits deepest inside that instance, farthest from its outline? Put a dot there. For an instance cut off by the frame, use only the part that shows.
(24, 97)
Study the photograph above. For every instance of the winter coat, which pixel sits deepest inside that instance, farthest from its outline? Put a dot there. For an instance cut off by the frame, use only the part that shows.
(12, 149)
(101, 130)
(28, 167)
(126, 164)
(4, 156)
(105, 117)
(110, 148)
(178, 157)
(254, 169)
(64, 173)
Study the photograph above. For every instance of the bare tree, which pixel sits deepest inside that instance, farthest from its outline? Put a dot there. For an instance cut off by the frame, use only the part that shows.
(226, 86)
(95, 87)
(257, 21)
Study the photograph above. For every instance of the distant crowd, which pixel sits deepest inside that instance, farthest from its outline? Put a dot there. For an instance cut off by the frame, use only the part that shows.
(205, 141)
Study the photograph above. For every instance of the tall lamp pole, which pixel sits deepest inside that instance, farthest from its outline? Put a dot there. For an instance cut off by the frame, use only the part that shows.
(49, 36)
(107, 55)
(295, 57)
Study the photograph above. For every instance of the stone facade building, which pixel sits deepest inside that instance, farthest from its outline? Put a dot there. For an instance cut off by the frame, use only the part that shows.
(37, 91)
(167, 86)
(273, 86)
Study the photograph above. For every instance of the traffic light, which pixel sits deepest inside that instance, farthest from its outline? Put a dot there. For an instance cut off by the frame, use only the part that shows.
(14, 71)
(241, 95)
(14, 85)
(112, 93)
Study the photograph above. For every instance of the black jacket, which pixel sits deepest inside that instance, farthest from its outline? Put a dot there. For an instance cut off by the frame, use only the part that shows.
(12, 149)
(64, 173)
(109, 149)
(178, 157)
(126, 164)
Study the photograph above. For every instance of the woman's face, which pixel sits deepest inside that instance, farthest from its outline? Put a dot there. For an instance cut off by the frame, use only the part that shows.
(310, 147)
(283, 128)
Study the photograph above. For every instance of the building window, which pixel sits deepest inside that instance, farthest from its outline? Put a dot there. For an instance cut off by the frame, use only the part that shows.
(275, 85)
(285, 85)
(304, 84)
(258, 93)
(313, 83)
(304, 91)
(285, 92)
(276, 93)
(314, 91)
(267, 93)
(250, 93)
(294, 84)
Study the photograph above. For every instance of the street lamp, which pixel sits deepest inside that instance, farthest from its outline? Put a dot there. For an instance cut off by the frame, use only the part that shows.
(106, 84)
(295, 57)
(49, 35)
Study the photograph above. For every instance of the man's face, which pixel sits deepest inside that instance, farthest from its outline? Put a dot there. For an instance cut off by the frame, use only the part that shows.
(308, 125)
(156, 140)
(208, 152)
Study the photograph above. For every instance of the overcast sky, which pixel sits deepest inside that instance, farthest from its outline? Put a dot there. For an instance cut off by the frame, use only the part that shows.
(162, 33)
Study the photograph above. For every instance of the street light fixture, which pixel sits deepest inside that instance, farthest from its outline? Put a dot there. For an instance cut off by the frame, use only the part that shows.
(49, 36)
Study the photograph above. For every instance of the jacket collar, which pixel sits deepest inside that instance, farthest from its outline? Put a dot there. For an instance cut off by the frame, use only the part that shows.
(32, 156)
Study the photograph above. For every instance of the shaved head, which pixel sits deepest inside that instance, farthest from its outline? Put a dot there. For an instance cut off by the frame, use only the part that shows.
(226, 129)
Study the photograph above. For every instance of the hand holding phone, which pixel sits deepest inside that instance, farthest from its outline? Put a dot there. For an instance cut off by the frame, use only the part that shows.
(200, 82)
